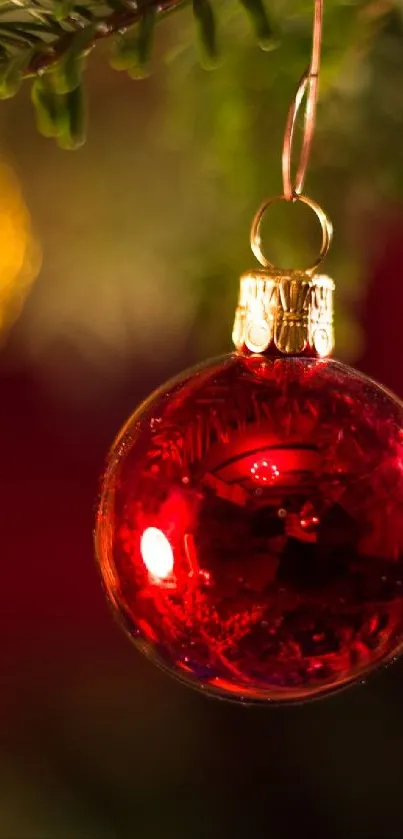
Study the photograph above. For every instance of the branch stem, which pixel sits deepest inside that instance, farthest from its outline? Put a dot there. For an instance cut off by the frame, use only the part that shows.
(118, 20)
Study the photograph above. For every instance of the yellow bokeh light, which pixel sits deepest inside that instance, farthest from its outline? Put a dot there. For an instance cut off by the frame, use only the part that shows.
(20, 253)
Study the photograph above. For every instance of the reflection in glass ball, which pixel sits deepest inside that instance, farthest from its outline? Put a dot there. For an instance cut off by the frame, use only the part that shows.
(250, 531)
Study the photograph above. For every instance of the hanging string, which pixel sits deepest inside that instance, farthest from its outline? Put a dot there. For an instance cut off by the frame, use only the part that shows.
(308, 89)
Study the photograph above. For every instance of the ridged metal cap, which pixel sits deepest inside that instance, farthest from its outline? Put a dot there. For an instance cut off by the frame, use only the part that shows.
(290, 311)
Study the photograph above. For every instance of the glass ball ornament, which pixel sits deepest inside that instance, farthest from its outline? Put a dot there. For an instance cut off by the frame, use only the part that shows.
(250, 529)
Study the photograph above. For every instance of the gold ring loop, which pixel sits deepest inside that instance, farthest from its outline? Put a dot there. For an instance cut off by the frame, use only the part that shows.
(325, 223)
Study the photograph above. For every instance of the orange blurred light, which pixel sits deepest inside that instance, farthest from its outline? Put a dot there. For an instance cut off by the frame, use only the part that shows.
(20, 254)
(157, 553)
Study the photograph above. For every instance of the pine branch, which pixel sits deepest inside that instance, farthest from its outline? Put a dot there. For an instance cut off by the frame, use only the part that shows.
(50, 39)
(98, 26)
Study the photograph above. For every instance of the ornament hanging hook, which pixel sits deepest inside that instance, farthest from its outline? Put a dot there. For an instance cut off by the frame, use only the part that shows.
(308, 88)
(293, 186)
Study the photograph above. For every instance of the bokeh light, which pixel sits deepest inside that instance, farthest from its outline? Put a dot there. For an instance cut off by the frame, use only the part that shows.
(20, 253)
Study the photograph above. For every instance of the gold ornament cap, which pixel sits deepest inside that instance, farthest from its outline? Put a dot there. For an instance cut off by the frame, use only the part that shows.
(287, 311)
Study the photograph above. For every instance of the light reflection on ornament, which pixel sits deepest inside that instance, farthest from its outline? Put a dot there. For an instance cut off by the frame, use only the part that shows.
(264, 472)
(309, 522)
(157, 553)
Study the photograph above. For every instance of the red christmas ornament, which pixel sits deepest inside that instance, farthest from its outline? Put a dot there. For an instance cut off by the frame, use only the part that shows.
(250, 533)
(251, 528)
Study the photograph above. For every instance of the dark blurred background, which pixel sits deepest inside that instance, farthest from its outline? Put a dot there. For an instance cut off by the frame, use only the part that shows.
(119, 266)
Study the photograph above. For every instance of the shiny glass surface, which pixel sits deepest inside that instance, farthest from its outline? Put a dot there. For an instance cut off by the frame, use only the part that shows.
(250, 530)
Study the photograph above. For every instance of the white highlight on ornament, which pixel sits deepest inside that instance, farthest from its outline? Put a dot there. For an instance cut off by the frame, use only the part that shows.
(157, 553)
